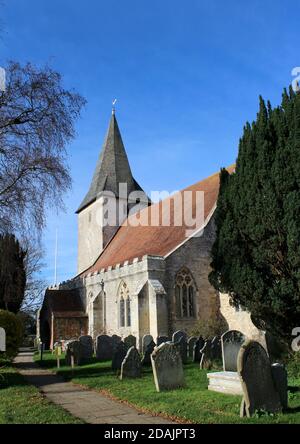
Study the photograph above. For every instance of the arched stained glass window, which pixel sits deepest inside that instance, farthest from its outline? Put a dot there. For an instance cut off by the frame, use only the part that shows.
(184, 294)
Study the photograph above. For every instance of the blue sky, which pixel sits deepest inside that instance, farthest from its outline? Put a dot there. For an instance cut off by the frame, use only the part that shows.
(187, 76)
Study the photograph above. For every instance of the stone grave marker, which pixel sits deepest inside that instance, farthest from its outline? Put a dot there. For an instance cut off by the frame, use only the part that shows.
(191, 342)
(147, 355)
(73, 352)
(119, 355)
(131, 365)
(130, 341)
(2, 340)
(145, 342)
(255, 373)
(177, 335)
(167, 367)
(206, 355)
(182, 344)
(231, 342)
(86, 348)
(115, 341)
(199, 344)
(104, 347)
(161, 339)
(280, 379)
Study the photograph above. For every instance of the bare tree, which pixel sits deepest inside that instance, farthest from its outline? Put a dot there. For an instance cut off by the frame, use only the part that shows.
(37, 118)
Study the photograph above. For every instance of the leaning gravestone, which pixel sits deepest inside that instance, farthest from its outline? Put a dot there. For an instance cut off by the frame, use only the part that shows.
(130, 341)
(73, 350)
(231, 342)
(104, 347)
(177, 335)
(191, 342)
(199, 344)
(255, 373)
(206, 355)
(86, 348)
(161, 340)
(182, 344)
(147, 355)
(167, 367)
(147, 339)
(280, 379)
(119, 355)
(2, 340)
(131, 365)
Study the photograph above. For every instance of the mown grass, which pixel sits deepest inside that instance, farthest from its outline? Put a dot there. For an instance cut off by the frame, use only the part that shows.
(21, 403)
(193, 403)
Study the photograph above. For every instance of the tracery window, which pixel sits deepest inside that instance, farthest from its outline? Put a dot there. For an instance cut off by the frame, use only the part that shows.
(184, 294)
(124, 306)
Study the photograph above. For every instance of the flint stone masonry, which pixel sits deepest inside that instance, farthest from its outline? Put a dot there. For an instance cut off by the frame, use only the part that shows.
(104, 347)
(231, 341)
(2, 340)
(118, 356)
(131, 365)
(167, 367)
(86, 348)
(255, 372)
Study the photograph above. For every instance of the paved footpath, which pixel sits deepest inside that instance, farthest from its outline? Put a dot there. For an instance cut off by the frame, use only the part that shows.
(88, 405)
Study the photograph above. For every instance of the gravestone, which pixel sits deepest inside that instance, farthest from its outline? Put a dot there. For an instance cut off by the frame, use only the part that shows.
(119, 355)
(280, 379)
(167, 367)
(147, 356)
(104, 347)
(199, 344)
(73, 349)
(255, 373)
(177, 335)
(86, 348)
(231, 342)
(131, 365)
(130, 341)
(216, 349)
(161, 340)
(182, 344)
(115, 341)
(2, 340)
(147, 339)
(191, 342)
(206, 355)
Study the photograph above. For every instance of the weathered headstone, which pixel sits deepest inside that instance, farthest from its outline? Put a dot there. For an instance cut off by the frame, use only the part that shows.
(280, 379)
(177, 335)
(147, 355)
(182, 344)
(130, 341)
(73, 352)
(147, 339)
(2, 340)
(216, 349)
(206, 355)
(86, 348)
(131, 365)
(199, 344)
(119, 355)
(167, 367)
(191, 342)
(255, 372)
(115, 341)
(231, 342)
(104, 347)
(161, 340)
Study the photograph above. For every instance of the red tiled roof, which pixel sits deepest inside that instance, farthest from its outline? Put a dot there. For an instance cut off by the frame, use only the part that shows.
(136, 241)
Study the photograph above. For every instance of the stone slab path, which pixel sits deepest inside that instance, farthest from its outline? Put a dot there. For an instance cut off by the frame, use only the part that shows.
(88, 405)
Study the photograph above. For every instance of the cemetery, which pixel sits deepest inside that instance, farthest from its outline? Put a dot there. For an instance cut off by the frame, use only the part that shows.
(226, 379)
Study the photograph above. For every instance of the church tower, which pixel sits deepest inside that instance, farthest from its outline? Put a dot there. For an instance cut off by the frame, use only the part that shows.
(113, 190)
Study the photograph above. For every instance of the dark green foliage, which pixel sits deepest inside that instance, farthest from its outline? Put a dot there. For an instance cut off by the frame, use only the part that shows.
(256, 255)
(13, 327)
(12, 273)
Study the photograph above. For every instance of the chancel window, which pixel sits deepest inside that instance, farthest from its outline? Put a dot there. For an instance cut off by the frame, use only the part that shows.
(124, 306)
(184, 295)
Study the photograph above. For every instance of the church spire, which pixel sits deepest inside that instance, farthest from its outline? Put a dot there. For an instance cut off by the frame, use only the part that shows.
(112, 167)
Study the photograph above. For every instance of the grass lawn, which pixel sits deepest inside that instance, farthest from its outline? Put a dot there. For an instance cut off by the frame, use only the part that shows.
(21, 403)
(194, 403)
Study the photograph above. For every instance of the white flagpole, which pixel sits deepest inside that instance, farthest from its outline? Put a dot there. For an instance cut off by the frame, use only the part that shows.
(55, 259)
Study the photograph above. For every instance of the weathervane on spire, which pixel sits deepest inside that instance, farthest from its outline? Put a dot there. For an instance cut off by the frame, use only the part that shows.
(113, 106)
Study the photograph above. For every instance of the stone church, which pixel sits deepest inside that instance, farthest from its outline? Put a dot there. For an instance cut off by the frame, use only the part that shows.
(137, 278)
